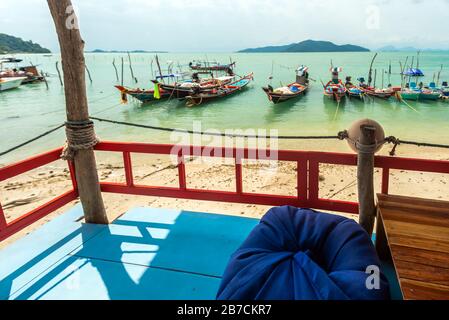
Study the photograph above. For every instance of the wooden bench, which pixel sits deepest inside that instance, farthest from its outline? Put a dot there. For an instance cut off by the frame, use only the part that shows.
(414, 233)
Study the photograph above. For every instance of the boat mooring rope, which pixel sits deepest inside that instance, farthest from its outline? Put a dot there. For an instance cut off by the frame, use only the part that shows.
(89, 139)
(31, 140)
(209, 133)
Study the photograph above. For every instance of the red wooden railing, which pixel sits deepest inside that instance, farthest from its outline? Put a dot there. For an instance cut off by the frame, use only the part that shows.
(307, 182)
(7, 229)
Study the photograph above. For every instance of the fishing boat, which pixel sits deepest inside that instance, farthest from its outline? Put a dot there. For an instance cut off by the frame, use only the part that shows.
(372, 91)
(353, 90)
(384, 94)
(180, 90)
(210, 66)
(149, 95)
(10, 83)
(221, 92)
(30, 73)
(141, 95)
(415, 93)
(429, 94)
(335, 89)
(444, 89)
(293, 90)
(12, 60)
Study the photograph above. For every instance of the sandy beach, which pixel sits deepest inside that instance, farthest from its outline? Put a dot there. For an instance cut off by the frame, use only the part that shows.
(26, 192)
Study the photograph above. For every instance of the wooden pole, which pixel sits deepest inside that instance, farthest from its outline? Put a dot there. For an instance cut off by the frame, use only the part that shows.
(59, 73)
(73, 65)
(365, 177)
(116, 71)
(159, 68)
(45, 78)
(88, 73)
(131, 68)
(123, 72)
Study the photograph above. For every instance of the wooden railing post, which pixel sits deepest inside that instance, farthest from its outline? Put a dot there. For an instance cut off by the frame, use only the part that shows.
(3, 223)
(73, 64)
(365, 177)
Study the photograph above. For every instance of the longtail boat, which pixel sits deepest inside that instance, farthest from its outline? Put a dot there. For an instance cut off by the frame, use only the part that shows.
(371, 91)
(335, 89)
(180, 90)
(385, 93)
(353, 90)
(142, 95)
(147, 95)
(10, 83)
(415, 93)
(30, 73)
(221, 92)
(293, 90)
(444, 89)
(210, 66)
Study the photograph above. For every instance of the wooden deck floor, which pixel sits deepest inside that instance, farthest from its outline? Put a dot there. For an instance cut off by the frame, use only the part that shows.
(145, 254)
(417, 231)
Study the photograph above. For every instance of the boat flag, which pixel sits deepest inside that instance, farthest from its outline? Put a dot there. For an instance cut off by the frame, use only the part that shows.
(124, 97)
(157, 94)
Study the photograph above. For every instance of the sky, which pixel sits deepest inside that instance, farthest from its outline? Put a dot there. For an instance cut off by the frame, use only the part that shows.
(227, 26)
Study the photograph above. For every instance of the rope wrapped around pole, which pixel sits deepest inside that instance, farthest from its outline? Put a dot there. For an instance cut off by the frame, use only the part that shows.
(80, 136)
(344, 135)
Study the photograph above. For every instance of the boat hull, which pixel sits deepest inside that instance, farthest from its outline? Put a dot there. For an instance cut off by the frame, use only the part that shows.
(180, 92)
(224, 91)
(421, 96)
(355, 93)
(335, 91)
(410, 95)
(276, 98)
(10, 83)
(380, 94)
(144, 96)
(430, 96)
(335, 96)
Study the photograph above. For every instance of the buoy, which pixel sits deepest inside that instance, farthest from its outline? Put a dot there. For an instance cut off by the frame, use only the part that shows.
(354, 134)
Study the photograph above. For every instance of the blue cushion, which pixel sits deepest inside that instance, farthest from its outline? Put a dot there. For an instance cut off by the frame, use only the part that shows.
(300, 254)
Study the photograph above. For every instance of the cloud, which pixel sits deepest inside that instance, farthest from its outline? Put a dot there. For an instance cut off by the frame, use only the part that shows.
(223, 25)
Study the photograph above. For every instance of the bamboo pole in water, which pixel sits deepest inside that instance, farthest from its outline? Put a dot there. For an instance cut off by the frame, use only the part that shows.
(116, 71)
(123, 71)
(59, 73)
(131, 68)
(73, 64)
(88, 73)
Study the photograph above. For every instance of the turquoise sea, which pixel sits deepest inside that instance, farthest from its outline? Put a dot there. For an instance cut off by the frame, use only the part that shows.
(32, 109)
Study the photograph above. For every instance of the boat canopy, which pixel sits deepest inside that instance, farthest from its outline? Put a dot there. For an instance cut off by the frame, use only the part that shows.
(302, 70)
(336, 69)
(413, 73)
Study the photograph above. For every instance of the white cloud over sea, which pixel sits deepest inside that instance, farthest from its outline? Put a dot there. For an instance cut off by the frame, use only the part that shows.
(223, 25)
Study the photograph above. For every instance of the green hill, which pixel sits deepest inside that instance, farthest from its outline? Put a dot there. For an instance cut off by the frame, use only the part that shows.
(309, 46)
(10, 44)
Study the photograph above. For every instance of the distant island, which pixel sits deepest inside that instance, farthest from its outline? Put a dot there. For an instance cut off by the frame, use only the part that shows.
(309, 46)
(121, 51)
(10, 44)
